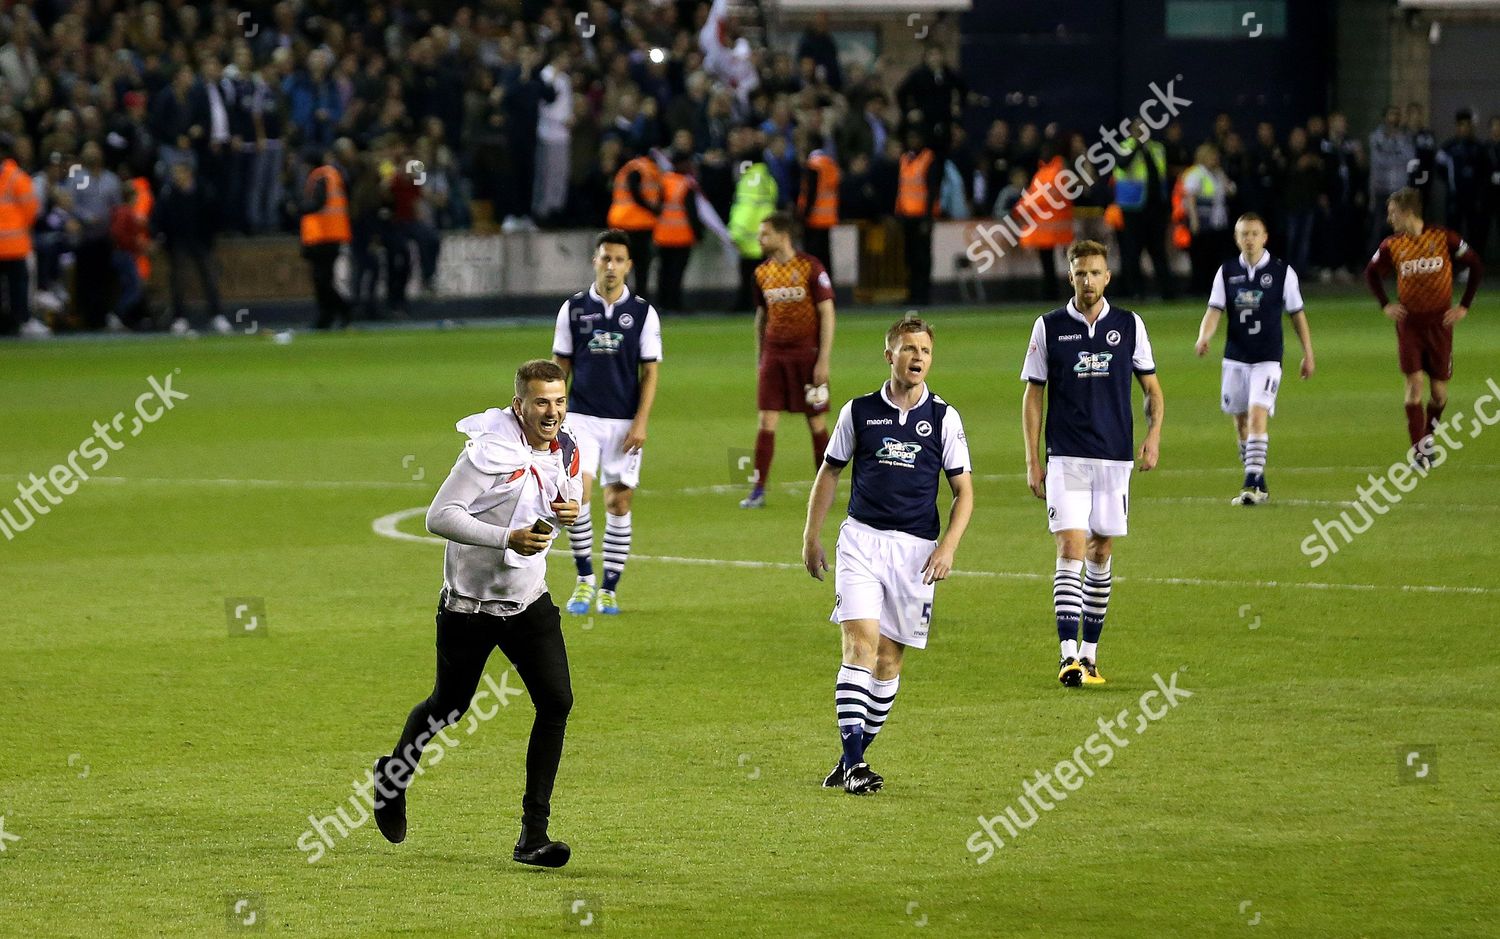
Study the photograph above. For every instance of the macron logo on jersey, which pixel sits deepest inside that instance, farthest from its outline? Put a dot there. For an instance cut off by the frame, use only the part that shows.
(1091, 364)
(878, 420)
(1069, 337)
(898, 452)
(1421, 266)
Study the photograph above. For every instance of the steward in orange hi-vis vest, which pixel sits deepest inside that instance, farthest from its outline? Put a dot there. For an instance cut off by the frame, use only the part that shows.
(18, 208)
(330, 223)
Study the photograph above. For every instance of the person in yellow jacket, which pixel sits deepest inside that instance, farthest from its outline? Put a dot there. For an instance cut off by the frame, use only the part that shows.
(18, 209)
(325, 231)
(1045, 216)
(676, 230)
(818, 206)
(754, 200)
(633, 209)
(1206, 190)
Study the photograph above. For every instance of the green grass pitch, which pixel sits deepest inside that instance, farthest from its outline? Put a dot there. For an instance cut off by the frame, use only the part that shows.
(159, 770)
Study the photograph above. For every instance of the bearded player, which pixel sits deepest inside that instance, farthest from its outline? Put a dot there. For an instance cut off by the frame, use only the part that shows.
(1422, 257)
(793, 342)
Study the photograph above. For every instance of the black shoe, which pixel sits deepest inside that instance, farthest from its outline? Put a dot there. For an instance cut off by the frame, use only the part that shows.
(543, 853)
(860, 780)
(835, 777)
(390, 814)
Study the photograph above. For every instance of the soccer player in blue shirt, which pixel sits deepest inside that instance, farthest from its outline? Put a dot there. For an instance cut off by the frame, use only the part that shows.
(608, 341)
(900, 440)
(1080, 362)
(1259, 289)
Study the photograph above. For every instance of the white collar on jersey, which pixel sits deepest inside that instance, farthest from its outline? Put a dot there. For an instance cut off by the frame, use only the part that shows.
(609, 308)
(1073, 312)
(1265, 258)
(885, 395)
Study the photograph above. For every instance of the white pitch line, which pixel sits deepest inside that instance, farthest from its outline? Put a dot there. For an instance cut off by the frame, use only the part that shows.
(386, 526)
(278, 483)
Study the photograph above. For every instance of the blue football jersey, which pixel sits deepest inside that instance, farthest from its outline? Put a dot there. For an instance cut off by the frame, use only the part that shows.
(1088, 371)
(898, 457)
(606, 343)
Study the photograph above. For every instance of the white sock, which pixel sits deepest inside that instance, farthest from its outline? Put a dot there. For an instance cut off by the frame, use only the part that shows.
(1069, 648)
(1090, 651)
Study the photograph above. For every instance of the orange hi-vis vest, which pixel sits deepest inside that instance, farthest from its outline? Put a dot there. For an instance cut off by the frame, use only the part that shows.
(18, 208)
(673, 230)
(141, 209)
(624, 211)
(1182, 232)
(1046, 226)
(825, 208)
(911, 198)
(330, 224)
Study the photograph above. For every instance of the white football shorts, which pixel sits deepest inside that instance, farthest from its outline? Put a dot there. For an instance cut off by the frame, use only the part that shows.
(878, 575)
(1088, 495)
(1246, 384)
(601, 452)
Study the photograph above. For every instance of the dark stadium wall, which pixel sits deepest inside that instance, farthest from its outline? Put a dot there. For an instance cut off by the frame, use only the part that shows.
(1088, 62)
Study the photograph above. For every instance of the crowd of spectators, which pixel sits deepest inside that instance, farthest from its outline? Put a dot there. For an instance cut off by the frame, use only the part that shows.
(520, 113)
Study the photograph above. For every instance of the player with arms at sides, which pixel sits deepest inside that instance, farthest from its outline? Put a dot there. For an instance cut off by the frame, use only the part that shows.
(793, 343)
(900, 440)
(608, 341)
(1422, 257)
(1257, 289)
(1080, 362)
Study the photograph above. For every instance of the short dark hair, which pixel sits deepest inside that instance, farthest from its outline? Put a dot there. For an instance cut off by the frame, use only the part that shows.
(613, 236)
(780, 222)
(1407, 200)
(910, 323)
(1086, 249)
(537, 370)
(1252, 217)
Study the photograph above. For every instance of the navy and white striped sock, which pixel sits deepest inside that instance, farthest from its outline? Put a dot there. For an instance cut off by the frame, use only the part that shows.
(852, 698)
(1256, 446)
(616, 548)
(1242, 452)
(1096, 583)
(882, 696)
(1067, 603)
(581, 540)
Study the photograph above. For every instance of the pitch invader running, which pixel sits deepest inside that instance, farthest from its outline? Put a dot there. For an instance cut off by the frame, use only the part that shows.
(1257, 289)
